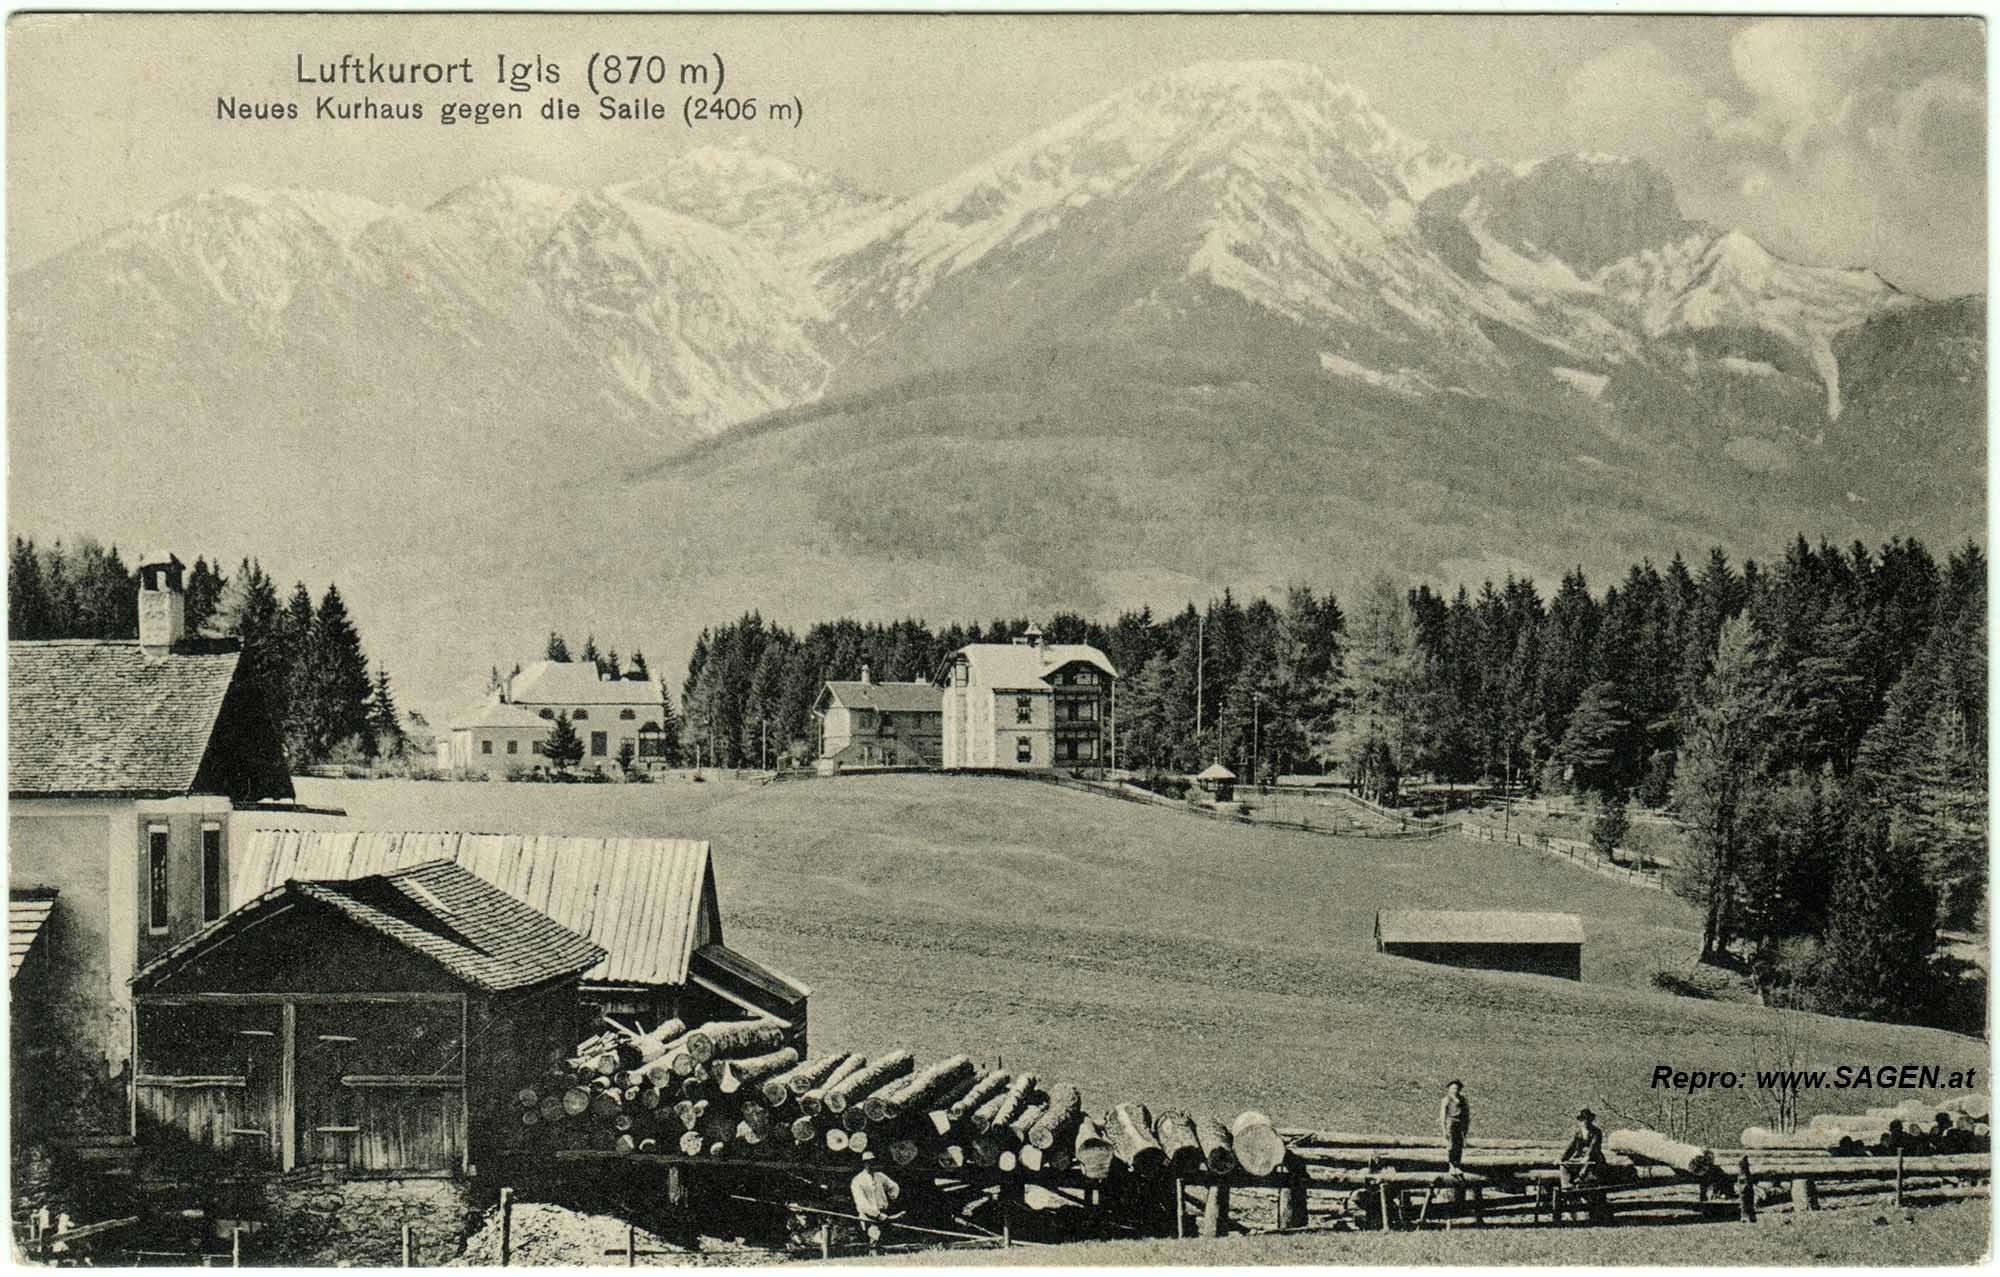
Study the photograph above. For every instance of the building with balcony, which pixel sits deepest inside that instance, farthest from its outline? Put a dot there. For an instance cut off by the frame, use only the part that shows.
(1028, 705)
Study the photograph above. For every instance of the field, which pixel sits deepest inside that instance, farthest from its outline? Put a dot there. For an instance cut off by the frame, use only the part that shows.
(1144, 954)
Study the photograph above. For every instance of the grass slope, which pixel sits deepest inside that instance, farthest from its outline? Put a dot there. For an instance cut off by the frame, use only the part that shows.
(1143, 954)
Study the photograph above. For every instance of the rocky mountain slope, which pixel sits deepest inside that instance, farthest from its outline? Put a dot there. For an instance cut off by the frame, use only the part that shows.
(1190, 337)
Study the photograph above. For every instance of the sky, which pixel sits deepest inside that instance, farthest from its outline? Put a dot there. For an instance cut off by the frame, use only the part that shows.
(1839, 141)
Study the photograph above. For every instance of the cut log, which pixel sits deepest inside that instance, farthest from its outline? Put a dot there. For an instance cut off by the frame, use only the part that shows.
(1093, 1152)
(623, 1122)
(527, 1097)
(625, 1146)
(1217, 1153)
(691, 1143)
(983, 1151)
(733, 1075)
(857, 1142)
(1058, 1121)
(1253, 1139)
(1024, 1122)
(1651, 1146)
(951, 1157)
(1008, 1161)
(854, 1118)
(811, 1102)
(756, 1117)
(860, 1084)
(576, 1101)
(1175, 1132)
(921, 1091)
(806, 1076)
(836, 1140)
(804, 1130)
(1050, 1160)
(734, 1037)
(1004, 1107)
(553, 1109)
(1130, 1130)
(987, 1086)
(648, 1047)
(903, 1152)
(690, 1112)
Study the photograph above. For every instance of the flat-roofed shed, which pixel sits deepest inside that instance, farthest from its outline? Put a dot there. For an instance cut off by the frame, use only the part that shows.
(1487, 939)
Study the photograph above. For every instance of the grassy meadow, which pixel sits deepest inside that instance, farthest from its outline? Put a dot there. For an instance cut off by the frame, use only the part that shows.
(1143, 954)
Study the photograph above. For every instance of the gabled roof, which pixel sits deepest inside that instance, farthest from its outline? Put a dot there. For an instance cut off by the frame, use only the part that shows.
(561, 683)
(28, 912)
(100, 718)
(648, 902)
(1010, 665)
(1485, 926)
(499, 714)
(896, 698)
(1215, 771)
(475, 931)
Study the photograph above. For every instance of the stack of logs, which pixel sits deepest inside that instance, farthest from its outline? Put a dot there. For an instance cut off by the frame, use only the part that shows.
(736, 1089)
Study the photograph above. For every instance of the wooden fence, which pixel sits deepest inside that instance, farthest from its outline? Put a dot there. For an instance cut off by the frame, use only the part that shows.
(1580, 854)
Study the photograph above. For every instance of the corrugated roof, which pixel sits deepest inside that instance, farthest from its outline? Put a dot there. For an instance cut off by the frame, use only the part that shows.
(639, 898)
(897, 698)
(1025, 665)
(560, 683)
(1480, 926)
(27, 913)
(101, 718)
(471, 928)
(499, 714)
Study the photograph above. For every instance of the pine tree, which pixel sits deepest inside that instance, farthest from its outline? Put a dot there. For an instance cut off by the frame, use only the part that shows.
(1875, 958)
(638, 670)
(28, 610)
(563, 747)
(337, 676)
(292, 637)
(609, 666)
(1591, 748)
(557, 650)
(590, 655)
(205, 588)
(384, 719)
(1717, 777)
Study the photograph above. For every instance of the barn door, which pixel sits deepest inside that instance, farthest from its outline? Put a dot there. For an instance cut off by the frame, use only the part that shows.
(381, 1085)
(212, 1074)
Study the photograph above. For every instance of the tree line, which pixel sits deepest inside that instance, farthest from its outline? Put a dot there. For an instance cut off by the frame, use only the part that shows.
(1816, 723)
(306, 659)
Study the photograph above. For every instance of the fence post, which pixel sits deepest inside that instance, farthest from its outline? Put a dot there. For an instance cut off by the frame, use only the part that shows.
(506, 1226)
(236, 1247)
(408, 1249)
(1899, 1177)
(631, 1245)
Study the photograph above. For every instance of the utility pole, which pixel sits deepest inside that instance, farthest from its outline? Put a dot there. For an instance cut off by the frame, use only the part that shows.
(1200, 659)
(1256, 721)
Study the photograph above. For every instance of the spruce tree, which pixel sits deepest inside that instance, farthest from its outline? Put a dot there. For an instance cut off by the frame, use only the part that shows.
(27, 597)
(557, 650)
(384, 719)
(563, 748)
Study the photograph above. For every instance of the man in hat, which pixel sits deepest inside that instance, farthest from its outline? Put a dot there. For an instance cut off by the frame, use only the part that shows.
(1583, 1161)
(875, 1198)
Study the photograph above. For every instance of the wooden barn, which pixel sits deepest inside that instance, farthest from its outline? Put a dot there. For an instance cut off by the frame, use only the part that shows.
(1489, 939)
(377, 1024)
(648, 902)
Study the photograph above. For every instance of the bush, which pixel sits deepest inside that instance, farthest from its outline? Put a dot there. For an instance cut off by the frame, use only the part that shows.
(1609, 825)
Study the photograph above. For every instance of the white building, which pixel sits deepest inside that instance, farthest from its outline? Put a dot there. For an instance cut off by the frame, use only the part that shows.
(1027, 705)
(607, 713)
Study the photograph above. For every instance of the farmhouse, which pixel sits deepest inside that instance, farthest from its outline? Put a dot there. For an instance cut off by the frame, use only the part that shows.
(1494, 940)
(1027, 705)
(125, 762)
(378, 1024)
(494, 737)
(649, 903)
(869, 724)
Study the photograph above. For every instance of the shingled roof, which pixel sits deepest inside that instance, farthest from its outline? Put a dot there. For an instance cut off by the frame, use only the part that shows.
(898, 698)
(1025, 665)
(100, 718)
(475, 931)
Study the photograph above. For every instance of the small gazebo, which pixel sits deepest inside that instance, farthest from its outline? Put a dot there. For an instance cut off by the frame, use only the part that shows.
(1219, 781)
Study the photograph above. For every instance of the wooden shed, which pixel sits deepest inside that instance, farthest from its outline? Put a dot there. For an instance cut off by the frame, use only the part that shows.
(1489, 939)
(650, 903)
(378, 1024)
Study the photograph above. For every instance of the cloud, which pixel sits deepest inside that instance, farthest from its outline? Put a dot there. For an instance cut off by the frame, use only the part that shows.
(1832, 140)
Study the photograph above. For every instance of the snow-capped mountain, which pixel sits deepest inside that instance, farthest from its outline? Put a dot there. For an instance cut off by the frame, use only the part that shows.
(988, 394)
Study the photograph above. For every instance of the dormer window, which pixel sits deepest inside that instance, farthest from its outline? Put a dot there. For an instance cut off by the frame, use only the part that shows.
(626, 715)
(579, 716)
(548, 713)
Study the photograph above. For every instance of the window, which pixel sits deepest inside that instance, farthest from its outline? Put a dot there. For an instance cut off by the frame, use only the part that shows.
(1087, 749)
(1085, 677)
(958, 673)
(1024, 709)
(156, 878)
(579, 716)
(486, 747)
(626, 715)
(548, 713)
(211, 871)
(534, 747)
(1024, 749)
(513, 747)
(599, 744)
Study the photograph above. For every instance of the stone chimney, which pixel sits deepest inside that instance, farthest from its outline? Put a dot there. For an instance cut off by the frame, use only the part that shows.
(162, 605)
(866, 676)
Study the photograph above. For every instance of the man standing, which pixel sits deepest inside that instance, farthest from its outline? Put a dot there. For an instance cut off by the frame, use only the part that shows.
(1455, 1113)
